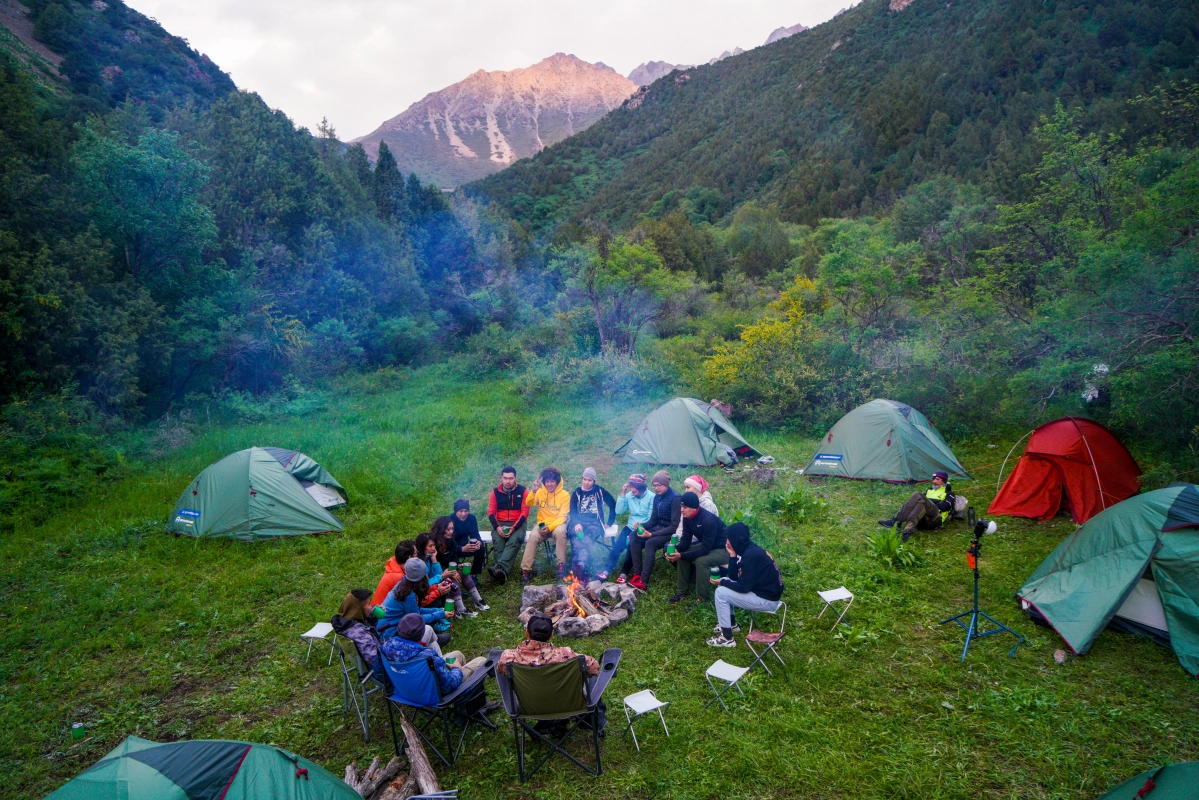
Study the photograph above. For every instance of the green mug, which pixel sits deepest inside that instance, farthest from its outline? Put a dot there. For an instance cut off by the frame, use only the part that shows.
(378, 612)
(715, 573)
(449, 606)
(78, 731)
(670, 548)
(466, 570)
(449, 662)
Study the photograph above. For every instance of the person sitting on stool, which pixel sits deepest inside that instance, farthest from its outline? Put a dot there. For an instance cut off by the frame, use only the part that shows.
(925, 510)
(753, 583)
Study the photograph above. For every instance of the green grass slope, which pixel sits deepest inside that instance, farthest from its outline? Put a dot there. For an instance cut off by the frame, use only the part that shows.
(840, 119)
(109, 621)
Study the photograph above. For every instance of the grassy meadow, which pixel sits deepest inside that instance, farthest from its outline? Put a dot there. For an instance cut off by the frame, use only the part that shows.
(111, 622)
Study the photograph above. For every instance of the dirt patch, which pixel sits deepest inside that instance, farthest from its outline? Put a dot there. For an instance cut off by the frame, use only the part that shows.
(14, 16)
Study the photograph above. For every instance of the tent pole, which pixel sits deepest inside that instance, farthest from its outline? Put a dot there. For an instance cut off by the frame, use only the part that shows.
(999, 480)
(1102, 499)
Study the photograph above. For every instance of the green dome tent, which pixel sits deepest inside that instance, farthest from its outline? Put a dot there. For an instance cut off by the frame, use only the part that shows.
(885, 441)
(139, 769)
(1135, 566)
(684, 431)
(260, 493)
(1171, 782)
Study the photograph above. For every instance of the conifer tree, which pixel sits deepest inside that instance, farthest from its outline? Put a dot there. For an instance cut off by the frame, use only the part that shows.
(388, 184)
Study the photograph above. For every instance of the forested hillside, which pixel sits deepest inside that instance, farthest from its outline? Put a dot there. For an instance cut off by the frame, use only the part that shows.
(841, 119)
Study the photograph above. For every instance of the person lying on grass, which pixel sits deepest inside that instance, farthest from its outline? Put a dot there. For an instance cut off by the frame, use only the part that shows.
(753, 583)
(926, 510)
(637, 501)
(407, 598)
(393, 570)
(451, 560)
(586, 521)
(508, 517)
(466, 536)
(553, 507)
(409, 643)
(664, 520)
(700, 549)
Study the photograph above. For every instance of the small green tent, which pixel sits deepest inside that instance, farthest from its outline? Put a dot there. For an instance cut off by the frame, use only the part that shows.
(1171, 782)
(884, 440)
(1135, 566)
(139, 769)
(259, 493)
(684, 431)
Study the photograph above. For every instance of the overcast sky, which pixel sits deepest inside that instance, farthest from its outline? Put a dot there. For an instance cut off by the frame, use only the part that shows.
(359, 62)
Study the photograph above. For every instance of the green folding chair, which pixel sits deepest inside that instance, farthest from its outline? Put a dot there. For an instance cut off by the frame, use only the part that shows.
(555, 692)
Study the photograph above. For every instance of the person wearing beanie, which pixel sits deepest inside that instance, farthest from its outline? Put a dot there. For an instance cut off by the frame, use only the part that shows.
(537, 650)
(585, 525)
(665, 516)
(406, 598)
(753, 583)
(700, 549)
(410, 643)
(353, 621)
(467, 537)
(637, 501)
(509, 518)
(553, 509)
(926, 510)
(445, 552)
(393, 570)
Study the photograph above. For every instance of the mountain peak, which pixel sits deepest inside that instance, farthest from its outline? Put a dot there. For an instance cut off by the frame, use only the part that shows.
(783, 33)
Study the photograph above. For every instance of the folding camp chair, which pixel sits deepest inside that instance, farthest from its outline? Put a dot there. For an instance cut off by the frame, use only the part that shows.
(319, 633)
(835, 596)
(555, 692)
(358, 682)
(770, 640)
(727, 673)
(414, 687)
(642, 703)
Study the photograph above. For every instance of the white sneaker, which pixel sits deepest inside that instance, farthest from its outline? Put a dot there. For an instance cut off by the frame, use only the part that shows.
(720, 641)
(482, 606)
(468, 614)
(736, 629)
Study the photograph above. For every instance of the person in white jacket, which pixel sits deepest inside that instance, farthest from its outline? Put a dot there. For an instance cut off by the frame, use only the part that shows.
(697, 484)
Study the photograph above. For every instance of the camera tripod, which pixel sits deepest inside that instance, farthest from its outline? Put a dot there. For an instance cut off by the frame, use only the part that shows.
(974, 629)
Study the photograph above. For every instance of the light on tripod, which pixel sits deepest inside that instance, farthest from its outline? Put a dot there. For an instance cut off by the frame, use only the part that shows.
(991, 527)
(976, 615)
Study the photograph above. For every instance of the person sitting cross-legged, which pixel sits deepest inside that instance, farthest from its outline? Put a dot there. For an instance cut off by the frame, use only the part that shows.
(637, 501)
(926, 510)
(408, 643)
(753, 583)
(700, 549)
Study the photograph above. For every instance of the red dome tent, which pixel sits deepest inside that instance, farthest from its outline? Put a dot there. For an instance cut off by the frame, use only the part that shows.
(1070, 463)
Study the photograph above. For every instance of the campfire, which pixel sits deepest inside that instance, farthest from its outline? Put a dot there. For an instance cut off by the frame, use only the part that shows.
(579, 610)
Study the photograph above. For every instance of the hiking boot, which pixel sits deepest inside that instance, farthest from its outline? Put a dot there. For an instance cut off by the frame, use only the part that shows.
(481, 604)
(498, 575)
(443, 639)
(601, 576)
(468, 614)
(492, 705)
(526, 577)
(637, 583)
(561, 572)
(735, 629)
(719, 641)
(674, 600)
(888, 523)
(907, 534)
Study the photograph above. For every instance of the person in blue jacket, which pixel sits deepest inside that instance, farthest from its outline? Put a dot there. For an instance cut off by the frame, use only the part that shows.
(408, 644)
(405, 599)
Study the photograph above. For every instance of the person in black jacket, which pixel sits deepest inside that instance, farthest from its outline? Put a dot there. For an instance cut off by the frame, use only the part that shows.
(653, 536)
(753, 583)
(585, 524)
(467, 537)
(700, 549)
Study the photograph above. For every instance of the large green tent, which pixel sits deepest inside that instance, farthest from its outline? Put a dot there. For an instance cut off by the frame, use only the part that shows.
(259, 493)
(1135, 565)
(686, 432)
(139, 769)
(884, 440)
(1171, 782)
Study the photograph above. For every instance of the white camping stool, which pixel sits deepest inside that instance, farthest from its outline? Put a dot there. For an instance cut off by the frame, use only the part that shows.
(837, 595)
(485, 537)
(319, 633)
(727, 673)
(640, 704)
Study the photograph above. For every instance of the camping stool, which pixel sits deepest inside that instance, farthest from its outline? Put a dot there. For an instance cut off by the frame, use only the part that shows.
(319, 633)
(728, 673)
(835, 596)
(770, 640)
(640, 704)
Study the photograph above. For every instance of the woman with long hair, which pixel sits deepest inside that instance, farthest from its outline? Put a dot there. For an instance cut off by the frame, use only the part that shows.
(446, 581)
(449, 552)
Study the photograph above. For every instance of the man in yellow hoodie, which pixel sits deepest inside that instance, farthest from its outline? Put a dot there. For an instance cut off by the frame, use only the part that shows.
(553, 509)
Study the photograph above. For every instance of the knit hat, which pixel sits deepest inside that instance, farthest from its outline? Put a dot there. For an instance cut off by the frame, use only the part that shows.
(461, 504)
(415, 569)
(638, 479)
(700, 484)
(738, 536)
(942, 474)
(589, 473)
(540, 628)
(411, 627)
(690, 500)
(662, 477)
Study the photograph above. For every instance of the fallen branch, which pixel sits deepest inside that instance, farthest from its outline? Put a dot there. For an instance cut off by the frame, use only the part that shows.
(401, 788)
(421, 769)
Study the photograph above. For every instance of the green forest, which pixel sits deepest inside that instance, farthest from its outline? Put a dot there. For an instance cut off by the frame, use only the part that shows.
(986, 210)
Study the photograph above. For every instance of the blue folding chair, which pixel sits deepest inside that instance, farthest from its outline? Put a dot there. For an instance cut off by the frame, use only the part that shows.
(414, 687)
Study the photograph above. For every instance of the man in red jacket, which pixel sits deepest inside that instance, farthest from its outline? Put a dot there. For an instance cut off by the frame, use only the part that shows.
(509, 519)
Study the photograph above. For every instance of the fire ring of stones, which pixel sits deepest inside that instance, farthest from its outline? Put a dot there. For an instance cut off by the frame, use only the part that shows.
(578, 610)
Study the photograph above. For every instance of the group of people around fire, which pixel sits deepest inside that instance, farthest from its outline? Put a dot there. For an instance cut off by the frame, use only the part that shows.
(426, 584)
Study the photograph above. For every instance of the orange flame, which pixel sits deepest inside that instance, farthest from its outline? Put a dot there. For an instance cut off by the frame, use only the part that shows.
(574, 585)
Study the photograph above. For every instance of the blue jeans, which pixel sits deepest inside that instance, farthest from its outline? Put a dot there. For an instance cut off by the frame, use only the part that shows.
(727, 599)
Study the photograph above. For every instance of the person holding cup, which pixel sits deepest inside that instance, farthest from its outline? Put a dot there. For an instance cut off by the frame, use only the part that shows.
(409, 643)
(699, 550)
(635, 500)
(665, 516)
(442, 581)
(466, 535)
(454, 566)
(412, 596)
(508, 517)
(586, 521)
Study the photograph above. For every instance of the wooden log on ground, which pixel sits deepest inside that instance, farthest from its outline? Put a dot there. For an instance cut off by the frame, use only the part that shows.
(401, 788)
(352, 773)
(586, 604)
(421, 769)
(380, 778)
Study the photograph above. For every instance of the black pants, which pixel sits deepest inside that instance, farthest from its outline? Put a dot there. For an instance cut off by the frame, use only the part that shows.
(642, 551)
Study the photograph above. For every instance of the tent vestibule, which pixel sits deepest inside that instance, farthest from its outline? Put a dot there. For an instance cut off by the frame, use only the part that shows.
(685, 432)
